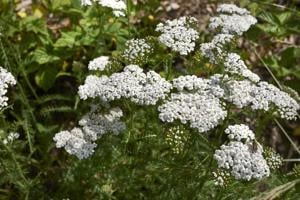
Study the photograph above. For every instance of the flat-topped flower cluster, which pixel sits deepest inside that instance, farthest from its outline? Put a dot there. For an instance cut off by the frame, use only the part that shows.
(80, 141)
(141, 88)
(178, 34)
(137, 51)
(243, 155)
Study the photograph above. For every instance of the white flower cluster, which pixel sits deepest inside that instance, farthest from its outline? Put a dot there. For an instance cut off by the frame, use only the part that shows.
(75, 143)
(232, 20)
(118, 6)
(179, 35)
(262, 96)
(11, 137)
(81, 141)
(266, 94)
(99, 63)
(232, 9)
(244, 159)
(200, 85)
(240, 132)
(141, 88)
(214, 50)
(6, 80)
(239, 92)
(243, 163)
(234, 65)
(203, 112)
(196, 103)
(95, 124)
(137, 50)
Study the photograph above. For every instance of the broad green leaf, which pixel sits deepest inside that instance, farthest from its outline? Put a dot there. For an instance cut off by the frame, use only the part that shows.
(46, 77)
(284, 17)
(67, 39)
(59, 4)
(42, 57)
(270, 18)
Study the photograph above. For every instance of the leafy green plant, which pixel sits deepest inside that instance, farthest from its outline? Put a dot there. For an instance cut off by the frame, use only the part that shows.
(49, 47)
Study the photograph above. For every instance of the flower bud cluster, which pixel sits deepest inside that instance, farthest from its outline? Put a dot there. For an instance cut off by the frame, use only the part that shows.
(176, 138)
(221, 177)
(273, 159)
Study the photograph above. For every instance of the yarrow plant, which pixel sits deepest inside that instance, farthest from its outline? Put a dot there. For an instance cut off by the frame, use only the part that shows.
(199, 104)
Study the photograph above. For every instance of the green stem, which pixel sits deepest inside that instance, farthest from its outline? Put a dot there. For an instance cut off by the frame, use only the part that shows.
(287, 136)
(19, 169)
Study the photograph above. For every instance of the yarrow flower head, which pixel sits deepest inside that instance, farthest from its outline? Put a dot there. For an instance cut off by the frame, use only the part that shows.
(75, 143)
(192, 83)
(266, 95)
(197, 103)
(179, 35)
(239, 92)
(232, 20)
(234, 65)
(243, 155)
(232, 9)
(215, 50)
(240, 133)
(261, 96)
(81, 141)
(141, 88)
(118, 6)
(137, 51)
(95, 124)
(99, 63)
(242, 161)
(203, 112)
(6, 80)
